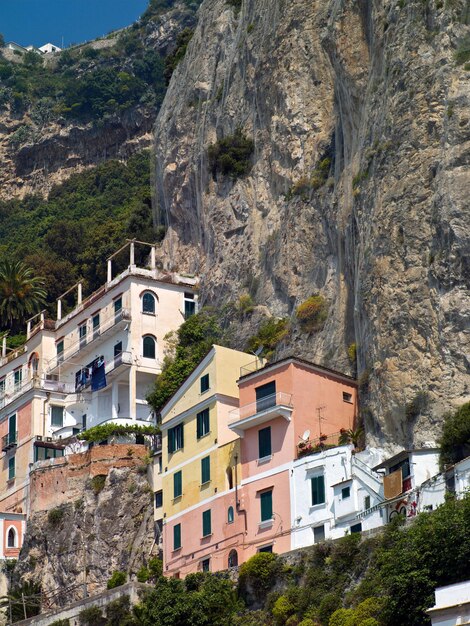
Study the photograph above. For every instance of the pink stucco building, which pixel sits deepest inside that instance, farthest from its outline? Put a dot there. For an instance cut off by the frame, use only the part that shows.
(282, 405)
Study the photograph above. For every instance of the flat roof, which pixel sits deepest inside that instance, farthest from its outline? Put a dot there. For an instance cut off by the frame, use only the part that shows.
(295, 359)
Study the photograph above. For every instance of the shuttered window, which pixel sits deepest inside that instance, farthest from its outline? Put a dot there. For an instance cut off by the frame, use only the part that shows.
(266, 506)
(265, 396)
(175, 438)
(11, 468)
(202, 423)
(264, 442)
(204, 383)
(205, 470)
(177, 484)
(206, 523)
(318, 489)
(177, 537)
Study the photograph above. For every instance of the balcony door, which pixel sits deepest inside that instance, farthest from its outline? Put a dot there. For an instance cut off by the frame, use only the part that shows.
(12, 429)
(265, 396)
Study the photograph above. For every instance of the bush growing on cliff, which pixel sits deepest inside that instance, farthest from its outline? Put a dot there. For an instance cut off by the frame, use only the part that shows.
(91, 616)
(117, 580)
(103, 432)
(455, 438)
(55, 516)
(312, 313)
(97, 483)
(270, 333)
(231, 156)
(258, 575)
(172, 60)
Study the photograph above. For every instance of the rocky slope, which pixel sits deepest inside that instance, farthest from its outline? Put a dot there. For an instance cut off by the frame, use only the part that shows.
(383, 235)
(59, 147)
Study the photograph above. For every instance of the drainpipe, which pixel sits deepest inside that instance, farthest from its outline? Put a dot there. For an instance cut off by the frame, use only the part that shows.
(237, 501)
(45, 401)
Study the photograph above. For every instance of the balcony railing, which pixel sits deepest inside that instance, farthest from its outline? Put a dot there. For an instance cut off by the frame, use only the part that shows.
(318, 444)
(276, 405)
(123, 315)
(17, 390)
(9, 441)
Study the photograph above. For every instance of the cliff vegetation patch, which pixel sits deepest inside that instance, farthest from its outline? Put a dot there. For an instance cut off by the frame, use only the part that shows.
(312, 313)
(231, 156)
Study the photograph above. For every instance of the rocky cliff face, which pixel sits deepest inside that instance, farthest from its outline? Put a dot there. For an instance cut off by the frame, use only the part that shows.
(383, 234)
(99, 528)
(60, 147)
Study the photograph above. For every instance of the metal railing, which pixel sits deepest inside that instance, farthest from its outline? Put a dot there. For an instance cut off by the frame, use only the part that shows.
(123, 358)
(9, 440)
(318, 444)
(92, 335)
(260, 406)
(17, 390)
(251, 367)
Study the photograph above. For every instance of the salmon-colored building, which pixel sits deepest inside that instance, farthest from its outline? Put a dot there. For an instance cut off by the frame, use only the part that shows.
(12, 527)
(284, 407)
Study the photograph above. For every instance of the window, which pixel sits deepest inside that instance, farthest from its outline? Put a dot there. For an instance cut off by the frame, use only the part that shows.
(189, 305)
(205, 470)
(96, 325)
(345, 493)
(204, 383)
(230, 515)
(202, 423)
(148, 303)
(347, 397)
(118, 351)
(266, 499)
(43, 452)
(233, 558)
(117, 309)
(357, 528)
(18, 377)
(265, 396)
(11, 468)
(60, 351)
(366, 503)
(148, 349)
(158, 499)
(177, 484)
(318, 489)
(12, 435)
(264, 442)
(206, 523)
(266, 549)
(405, 468)
(57, 416)
(176, 536)
(319, 533)
(11, 538)
(82, 335)
(175, 438)
(206, 565)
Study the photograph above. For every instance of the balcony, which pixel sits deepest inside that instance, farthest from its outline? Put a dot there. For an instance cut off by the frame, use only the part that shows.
(18, 389)
(9, 441)
(276, 405)
(94, 336)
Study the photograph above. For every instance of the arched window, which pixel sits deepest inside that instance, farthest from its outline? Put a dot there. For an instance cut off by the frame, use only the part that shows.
(229, 477)
(230, 516)
(233, 558)
(11, 538)
(148, 348)
(148, 303)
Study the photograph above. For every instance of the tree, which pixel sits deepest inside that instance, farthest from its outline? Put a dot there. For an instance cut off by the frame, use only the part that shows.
(455, 439)
(21, 293)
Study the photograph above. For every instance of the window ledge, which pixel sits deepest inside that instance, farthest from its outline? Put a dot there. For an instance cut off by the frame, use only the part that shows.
(201, 393)
(206, 484)
(206, 536)
(314, 507)
(264, 459)
(203, 436)
(149, 313)
(266, 524)
(177, 499)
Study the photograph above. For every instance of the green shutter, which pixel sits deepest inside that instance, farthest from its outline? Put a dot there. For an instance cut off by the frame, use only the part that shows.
(264, 442)
(181, 435)
(205, 470)
(199, 425)
(177, 537)
(266, 506)
(202, 423)
(11, 468)
(318, 490)
(177, 484)
(12, 429)
(206, 523)
(171, 440)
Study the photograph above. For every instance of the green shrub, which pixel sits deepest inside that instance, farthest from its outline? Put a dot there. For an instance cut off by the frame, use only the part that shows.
(55, 516)
(61, 622)
(455, 438)
(117, 579)
(341, 617)
(418, 404)
(312, 313)
(270, 333)
(231, 156)
(462, 54)
(118, 612)
(259, 574)
(282, 609)
(352, 353)
(97, 483)
(102, 432)
(172, 60)
(245, 304)
(91, 616)
(328, 605)
(307, 622)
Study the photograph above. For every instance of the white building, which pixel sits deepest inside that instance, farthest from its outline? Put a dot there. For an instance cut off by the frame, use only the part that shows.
(452, 606)
(48, 48)
(333, 493)
(91, 366)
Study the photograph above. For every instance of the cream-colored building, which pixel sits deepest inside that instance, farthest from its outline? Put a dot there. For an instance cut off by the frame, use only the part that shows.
(93, 365)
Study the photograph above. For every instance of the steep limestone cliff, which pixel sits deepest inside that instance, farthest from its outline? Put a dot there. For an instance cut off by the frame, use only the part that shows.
(384, 235)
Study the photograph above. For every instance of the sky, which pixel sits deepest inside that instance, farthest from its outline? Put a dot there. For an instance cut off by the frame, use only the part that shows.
(38, 22)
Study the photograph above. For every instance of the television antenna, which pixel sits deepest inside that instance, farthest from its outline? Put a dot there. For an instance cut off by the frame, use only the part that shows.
(321, 417)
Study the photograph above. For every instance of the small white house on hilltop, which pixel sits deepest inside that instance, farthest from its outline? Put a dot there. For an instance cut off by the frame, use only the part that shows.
(49, 48)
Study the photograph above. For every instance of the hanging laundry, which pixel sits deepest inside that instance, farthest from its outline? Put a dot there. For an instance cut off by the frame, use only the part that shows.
(98, 375)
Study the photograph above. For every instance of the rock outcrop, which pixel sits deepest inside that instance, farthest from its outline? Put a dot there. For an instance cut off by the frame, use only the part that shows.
(358, 190)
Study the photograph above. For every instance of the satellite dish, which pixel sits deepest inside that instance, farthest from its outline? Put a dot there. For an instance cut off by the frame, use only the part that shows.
(259, 351)
(306, 435)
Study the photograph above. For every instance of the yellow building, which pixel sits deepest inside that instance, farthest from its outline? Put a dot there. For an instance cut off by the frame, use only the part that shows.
(200, 464)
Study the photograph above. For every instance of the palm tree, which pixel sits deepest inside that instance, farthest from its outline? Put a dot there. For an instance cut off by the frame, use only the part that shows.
(21, 293)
